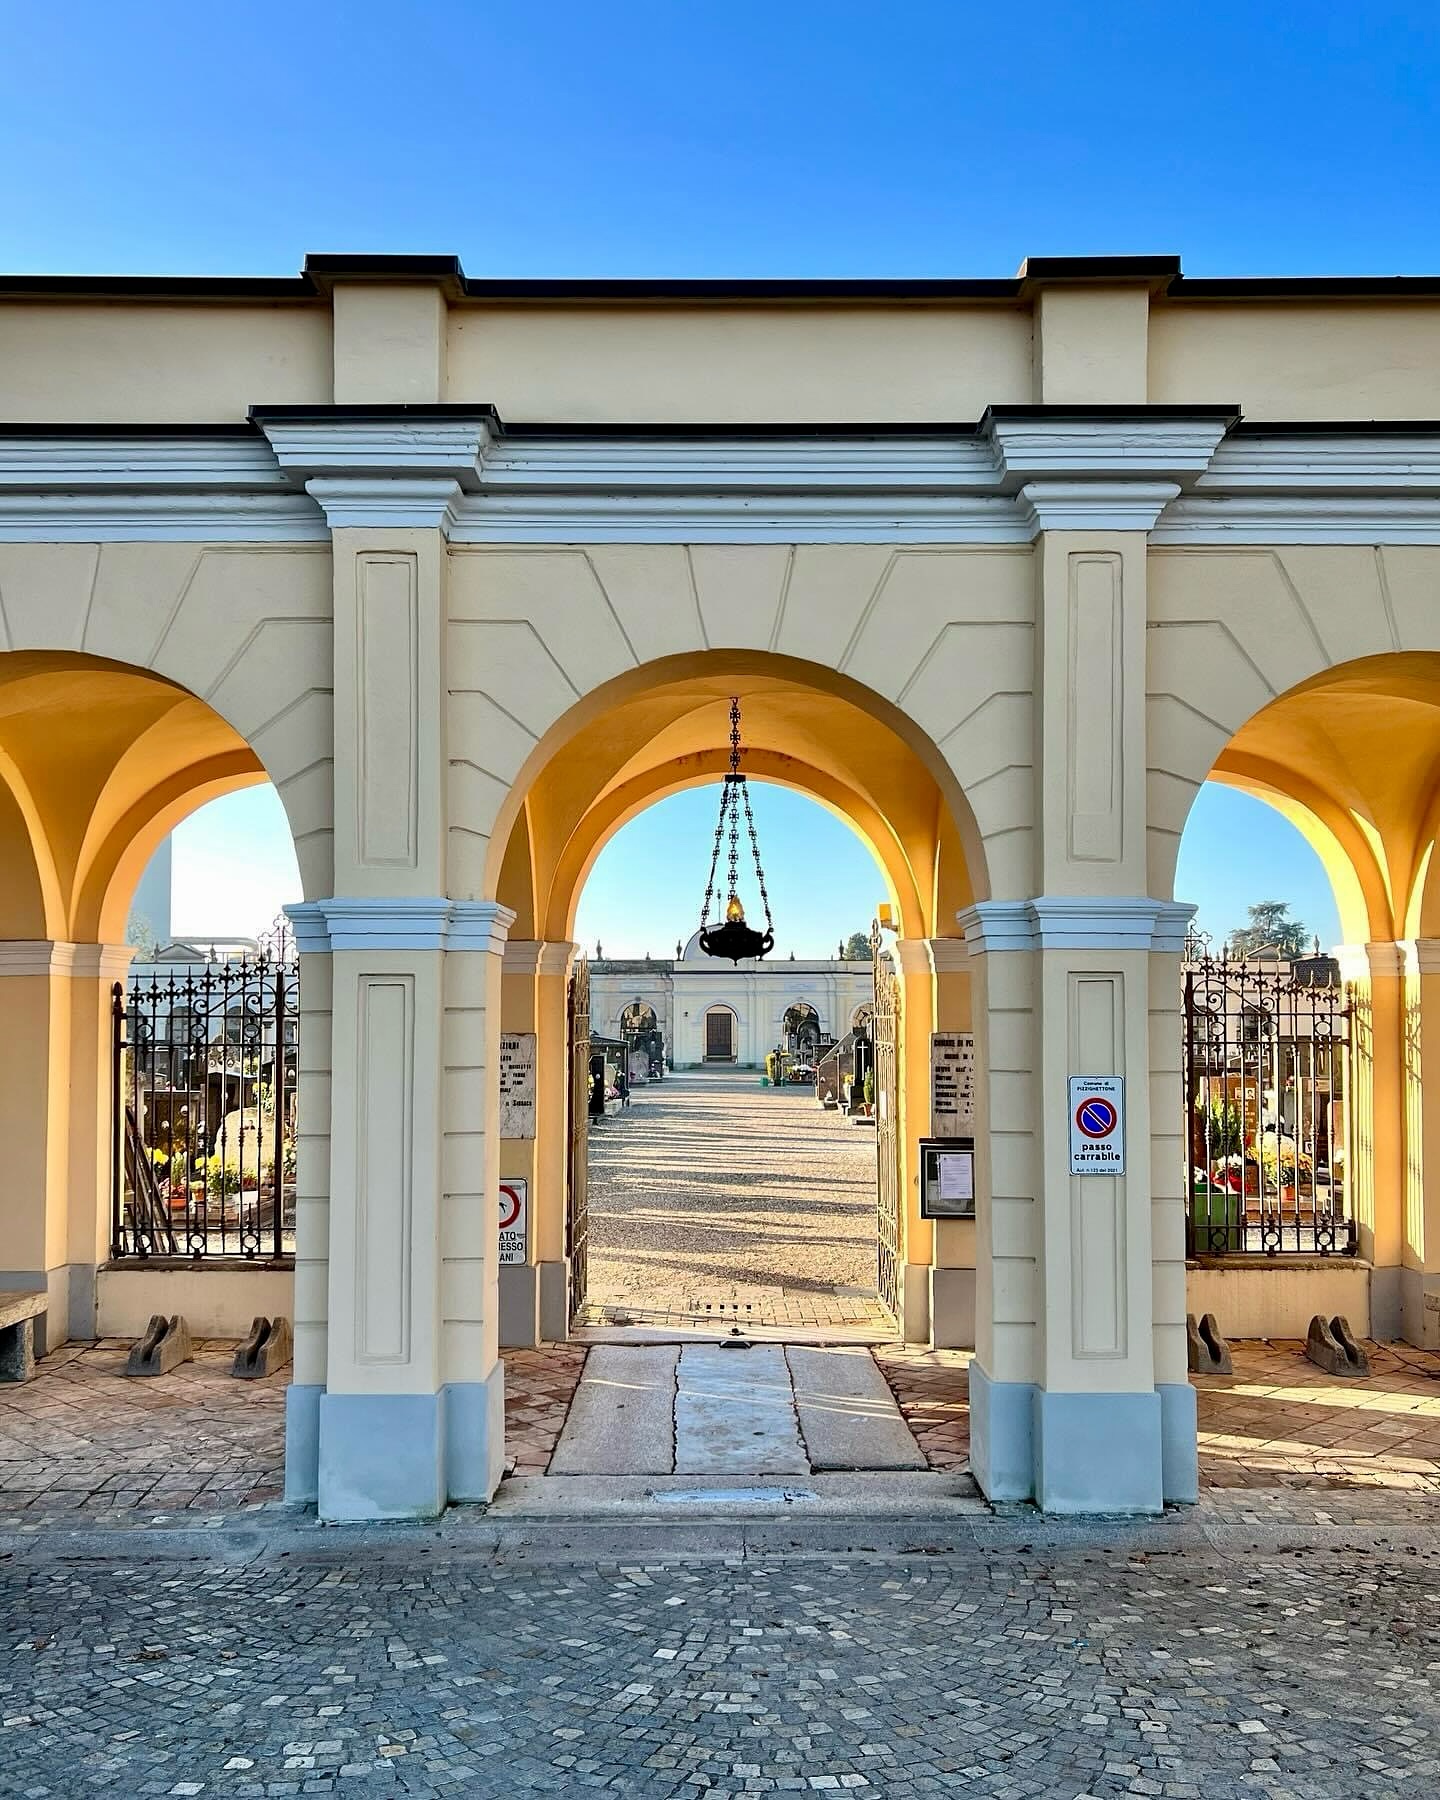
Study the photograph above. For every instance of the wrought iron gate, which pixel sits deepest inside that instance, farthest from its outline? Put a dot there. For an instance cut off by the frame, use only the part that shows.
(577, 1213)
(885, 1029)
(203, 1090)
(1267, 1063)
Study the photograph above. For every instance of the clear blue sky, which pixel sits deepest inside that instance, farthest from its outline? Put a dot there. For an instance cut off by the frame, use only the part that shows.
(809, 137)
(803, 138)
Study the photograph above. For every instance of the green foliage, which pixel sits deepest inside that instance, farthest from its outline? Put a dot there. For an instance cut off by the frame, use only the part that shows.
(1224, 1128)
(869, 1089)
(1272, 930)
(219, 1179)
(772, 1067)
(857, 946)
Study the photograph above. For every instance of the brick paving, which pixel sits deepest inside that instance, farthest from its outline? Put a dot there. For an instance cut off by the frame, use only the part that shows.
(932, 1390)
(1011, 1673)
(539, 1386)
(1278, 1421)
(714, 1198)
(84, 1439)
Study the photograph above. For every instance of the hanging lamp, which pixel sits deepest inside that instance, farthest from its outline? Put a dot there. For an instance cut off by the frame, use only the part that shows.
(730, 936)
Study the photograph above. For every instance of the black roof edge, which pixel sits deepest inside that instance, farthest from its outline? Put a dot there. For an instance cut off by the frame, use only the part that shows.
(1332, 427)
(158, 428)
(160, 287)
(1139, 410)
(1303, 287)
(322, 271)
(380, 409)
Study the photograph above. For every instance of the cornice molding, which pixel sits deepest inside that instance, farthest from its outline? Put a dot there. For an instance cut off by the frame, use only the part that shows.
(349, 922)
(539, 956)
(1094, 505)
(57, 957)
(379, 443)
(1120, 922)
(395, 502)
(1040, 446)
(301, 472)
(1303, 518)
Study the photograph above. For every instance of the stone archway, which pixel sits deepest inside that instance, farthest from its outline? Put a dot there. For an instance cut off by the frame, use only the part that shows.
(663, 729)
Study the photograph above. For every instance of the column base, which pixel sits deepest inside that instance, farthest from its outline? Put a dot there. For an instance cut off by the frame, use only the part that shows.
(69, 1292)
(1179, 1443)
(1098, 1453)
(382, 1456)
(398, 1456)
(474, 1420)
(519, 1307)
(1420, 1309)
(915, 1303)
(1082, 1453)
(1002, 1441)
(302, 1442)
(554, 1301)
(952, 1309)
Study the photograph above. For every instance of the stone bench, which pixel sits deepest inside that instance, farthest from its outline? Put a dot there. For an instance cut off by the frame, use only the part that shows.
(18, 1313)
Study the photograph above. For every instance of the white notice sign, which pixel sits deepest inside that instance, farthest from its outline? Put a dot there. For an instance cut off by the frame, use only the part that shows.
(517, 1084)
(957, 1175)
(1097, 1125)
(952, 1084)
(514, 1220)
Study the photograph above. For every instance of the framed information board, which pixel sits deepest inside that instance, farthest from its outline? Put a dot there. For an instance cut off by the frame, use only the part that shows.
(947, 1178)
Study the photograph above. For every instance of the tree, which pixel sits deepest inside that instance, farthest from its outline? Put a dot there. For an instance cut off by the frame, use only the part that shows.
(1270, 930)
(857, 946)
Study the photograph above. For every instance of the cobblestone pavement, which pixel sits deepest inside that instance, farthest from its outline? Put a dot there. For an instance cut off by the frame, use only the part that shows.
(712, 1193)
(1016, 1674)
(1277, 1422)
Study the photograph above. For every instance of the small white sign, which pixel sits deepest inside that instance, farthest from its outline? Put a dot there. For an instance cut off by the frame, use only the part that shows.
(514, 1220)
(957, 1175)
(1097, 1125)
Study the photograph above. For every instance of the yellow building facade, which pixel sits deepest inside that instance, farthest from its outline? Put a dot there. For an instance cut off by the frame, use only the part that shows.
(1002, 570)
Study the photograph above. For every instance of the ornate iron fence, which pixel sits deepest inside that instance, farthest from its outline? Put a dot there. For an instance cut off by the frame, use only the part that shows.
(203, 1073)
(1267, 1086)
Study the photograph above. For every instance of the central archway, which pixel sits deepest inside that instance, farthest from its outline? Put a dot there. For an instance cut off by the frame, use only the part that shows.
(663, 728)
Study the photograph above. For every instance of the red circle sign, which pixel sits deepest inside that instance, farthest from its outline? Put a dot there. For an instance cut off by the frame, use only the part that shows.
(509, 1206)
(1095, 1117)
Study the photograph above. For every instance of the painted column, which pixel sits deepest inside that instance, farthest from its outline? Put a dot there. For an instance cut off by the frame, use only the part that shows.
(952, 1278)
(1076, 1397)
(917, 1019)
(1380, 986)
(534, 1297)
(1420, 1289)
(56, 1117)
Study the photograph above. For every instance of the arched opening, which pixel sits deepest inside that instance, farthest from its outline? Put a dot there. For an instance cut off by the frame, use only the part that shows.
(153, 1111)
(662, 732)
(1306, 1117)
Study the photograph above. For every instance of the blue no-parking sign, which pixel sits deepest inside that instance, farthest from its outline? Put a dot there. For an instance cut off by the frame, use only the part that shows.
(1097, 1125)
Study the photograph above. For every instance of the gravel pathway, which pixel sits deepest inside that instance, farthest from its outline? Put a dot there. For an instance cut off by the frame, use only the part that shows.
(710, 1184)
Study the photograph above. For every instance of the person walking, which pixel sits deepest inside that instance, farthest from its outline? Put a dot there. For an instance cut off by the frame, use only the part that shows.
(622, 1086)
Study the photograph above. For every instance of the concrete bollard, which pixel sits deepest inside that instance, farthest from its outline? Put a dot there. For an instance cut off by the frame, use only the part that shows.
(268, 1348)
(1209, 1354)
(1333, 1347)
(165, 1345)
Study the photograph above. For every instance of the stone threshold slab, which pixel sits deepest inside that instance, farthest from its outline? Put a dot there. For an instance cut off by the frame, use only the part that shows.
(848, 1416)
